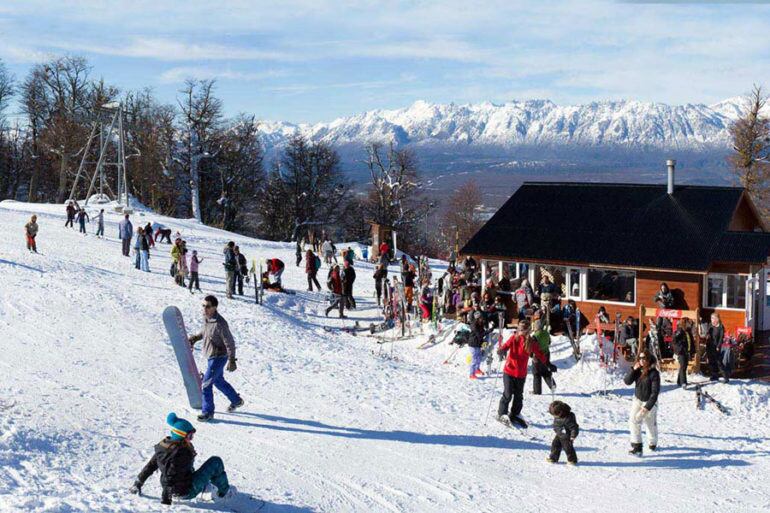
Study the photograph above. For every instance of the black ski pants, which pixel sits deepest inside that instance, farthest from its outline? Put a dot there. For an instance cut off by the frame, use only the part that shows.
(541, 372)
(311, 278)
(563, 442)
(239, 282)
(194, 279)
(713, 356)
(512, 388)
(682, 359)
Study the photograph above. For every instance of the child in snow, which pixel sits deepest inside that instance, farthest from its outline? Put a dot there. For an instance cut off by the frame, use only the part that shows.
(566, 428)
(174, 457)
(194, 261)
(30, 230)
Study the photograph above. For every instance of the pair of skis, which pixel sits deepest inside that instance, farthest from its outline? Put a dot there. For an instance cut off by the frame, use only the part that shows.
(702, 396)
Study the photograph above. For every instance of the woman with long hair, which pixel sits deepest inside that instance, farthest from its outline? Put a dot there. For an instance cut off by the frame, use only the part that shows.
(644, 407)
(519, 347)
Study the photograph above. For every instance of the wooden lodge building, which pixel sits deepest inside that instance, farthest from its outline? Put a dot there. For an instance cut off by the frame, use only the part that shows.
(612, 245)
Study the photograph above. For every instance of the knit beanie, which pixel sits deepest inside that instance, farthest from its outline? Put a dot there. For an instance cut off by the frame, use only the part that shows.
(179, 427)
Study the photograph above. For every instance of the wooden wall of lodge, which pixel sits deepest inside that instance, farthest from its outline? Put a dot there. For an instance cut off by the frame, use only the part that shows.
(688, 295)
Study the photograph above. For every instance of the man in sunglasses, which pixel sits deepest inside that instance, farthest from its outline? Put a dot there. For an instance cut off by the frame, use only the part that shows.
(219, 348)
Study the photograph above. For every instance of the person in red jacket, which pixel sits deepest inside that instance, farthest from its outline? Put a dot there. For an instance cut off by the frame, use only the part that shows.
(519, 347)
(334, 282)
(384, 253)
(275, 268)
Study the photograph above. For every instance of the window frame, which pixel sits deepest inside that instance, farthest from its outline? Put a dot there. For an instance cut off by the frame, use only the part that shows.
(724, 276)
(584, 289)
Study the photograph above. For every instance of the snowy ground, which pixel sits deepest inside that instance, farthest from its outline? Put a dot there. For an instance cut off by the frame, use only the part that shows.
(87, 378)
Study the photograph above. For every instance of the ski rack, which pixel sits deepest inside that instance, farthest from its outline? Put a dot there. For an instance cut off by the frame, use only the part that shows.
(674, 316)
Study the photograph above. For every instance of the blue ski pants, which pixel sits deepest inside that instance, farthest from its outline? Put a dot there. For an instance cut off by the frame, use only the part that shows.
(476, 354)
(215, 377)
(212, 471)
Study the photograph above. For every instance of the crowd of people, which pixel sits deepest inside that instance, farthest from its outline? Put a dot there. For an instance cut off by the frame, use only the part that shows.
(459, 293)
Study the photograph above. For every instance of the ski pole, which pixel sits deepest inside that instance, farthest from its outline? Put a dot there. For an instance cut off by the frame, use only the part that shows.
(491, 397)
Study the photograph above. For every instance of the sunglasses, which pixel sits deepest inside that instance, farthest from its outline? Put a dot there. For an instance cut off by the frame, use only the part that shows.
(206, 305)
(642, 357)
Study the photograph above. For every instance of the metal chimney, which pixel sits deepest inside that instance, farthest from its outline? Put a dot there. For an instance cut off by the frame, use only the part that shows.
(671, 164)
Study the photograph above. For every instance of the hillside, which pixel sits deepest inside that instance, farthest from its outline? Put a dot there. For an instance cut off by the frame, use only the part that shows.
(87, 378)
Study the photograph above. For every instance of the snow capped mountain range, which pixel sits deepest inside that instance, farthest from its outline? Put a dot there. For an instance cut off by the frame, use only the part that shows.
(627, 124)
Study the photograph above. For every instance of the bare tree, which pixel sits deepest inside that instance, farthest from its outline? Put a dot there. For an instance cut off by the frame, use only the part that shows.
(202, 118)
(751, 142)
(462, 217)
(394, 194)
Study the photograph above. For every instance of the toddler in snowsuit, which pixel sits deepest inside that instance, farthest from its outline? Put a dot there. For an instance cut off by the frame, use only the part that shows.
(566, 428)
(174, 457)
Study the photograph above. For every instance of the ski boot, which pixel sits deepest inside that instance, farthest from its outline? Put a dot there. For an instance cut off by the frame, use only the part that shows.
(234, 406)
(518, 421)
(205, 417)
(653, 447)
(636, 450)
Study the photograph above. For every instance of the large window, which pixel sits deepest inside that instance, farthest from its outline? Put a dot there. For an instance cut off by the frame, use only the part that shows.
(557, 275)
(609, 285)
(726, 291)
(573, 282)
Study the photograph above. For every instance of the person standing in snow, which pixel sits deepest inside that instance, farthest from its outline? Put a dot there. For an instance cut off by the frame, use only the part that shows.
(524, 299)
(518, 349)
(299, 252)
(476, 340)
(30, 230)
(681, 347)
(408, 277)
(334, 282)
(194, 262)
(174, 456)
(138, 248)
(644, 407)
(144, 251)
(380, 275)
(82, 219)
(70, 215)
(326, 248)
(348, 278)
(231, 265)
(384, 250)
(540, 371)
(312, 265)
(100, 223)
(566, 428)
(125, 232)
(714, 339)
(148, 234)
(219, 349)
(242, 269)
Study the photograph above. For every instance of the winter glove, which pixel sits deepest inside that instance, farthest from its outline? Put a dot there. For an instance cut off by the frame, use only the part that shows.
(552, 367)
(231, 365)
(136, 488)
(166, 497)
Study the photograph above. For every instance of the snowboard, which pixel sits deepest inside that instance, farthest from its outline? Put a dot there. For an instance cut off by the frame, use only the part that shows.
(172, 319)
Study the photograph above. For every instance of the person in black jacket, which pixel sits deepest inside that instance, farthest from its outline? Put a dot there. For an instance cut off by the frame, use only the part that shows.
(174, 457)
(476, 340)
(348, 278)
(714, 339)
(242, 269)
(681, 347)
(566, 428)
(380, 275)
(644, 406)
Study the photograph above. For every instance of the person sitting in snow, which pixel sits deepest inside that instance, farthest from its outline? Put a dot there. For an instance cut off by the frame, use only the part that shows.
(566, 428)
(174, 457)
(275, 268)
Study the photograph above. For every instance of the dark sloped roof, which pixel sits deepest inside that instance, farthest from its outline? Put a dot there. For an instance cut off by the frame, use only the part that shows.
(619, 224)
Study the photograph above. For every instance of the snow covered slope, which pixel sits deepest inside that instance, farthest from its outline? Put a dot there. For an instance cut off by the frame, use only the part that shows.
(87, 378)
(625, 124)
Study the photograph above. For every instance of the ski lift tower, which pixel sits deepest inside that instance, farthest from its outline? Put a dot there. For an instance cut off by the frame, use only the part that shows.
(112, 153)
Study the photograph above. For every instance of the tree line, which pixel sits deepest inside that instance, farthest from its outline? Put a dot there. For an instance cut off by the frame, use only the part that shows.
(187, 159)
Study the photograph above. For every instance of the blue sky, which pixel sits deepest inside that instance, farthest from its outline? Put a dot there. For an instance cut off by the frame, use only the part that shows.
(307, 61)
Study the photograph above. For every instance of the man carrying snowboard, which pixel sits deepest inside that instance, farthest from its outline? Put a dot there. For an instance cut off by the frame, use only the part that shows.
(219, 348)
(174, 457)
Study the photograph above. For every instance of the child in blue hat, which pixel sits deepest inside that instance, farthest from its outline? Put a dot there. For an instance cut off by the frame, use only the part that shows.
(174, 457)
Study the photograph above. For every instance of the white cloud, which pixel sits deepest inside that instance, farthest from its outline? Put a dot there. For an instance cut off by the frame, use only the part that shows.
(180, 73)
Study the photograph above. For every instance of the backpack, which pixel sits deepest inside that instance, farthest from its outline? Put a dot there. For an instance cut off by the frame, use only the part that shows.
(317, 262)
